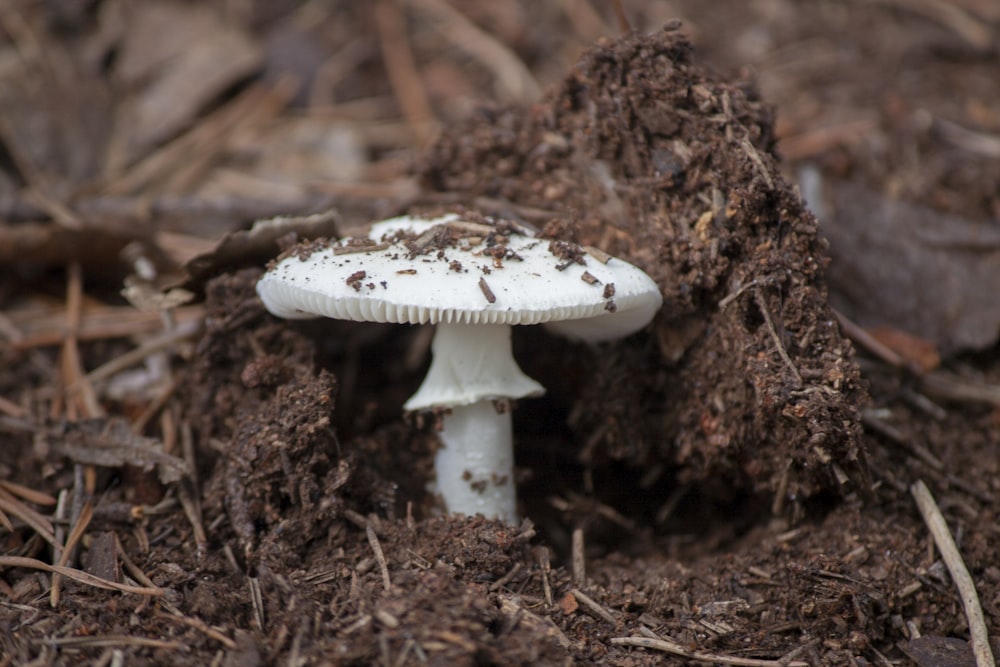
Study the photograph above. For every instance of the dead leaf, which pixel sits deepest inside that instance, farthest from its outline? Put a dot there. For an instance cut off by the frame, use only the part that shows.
(921, 354)
(304, 150)
(110, 443)
(54, 115)
(177, 57)
(914, 269)
(148, 298)
(258, 245)
(568, 604)
(932, 651)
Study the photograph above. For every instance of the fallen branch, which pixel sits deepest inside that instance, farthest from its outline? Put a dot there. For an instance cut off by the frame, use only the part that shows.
(959, 573)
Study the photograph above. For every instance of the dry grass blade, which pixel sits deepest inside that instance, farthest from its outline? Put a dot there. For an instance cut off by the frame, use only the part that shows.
(79, 576)
(111, 640)
(45, 329)
(401, 68)
(160, 342)
(511, 72)
(977, 33)
(948, 386)
(200, 626)
(188, 154)
(31, 495)
(959, 573)
(676, 649)
(773, 331)
(12, 506)
(12, 409)
(79, 528)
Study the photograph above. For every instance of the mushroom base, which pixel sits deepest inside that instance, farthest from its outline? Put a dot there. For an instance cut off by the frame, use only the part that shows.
(475, 465)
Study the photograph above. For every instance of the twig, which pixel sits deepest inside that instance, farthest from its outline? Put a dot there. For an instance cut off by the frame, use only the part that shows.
(201, 626)
(12, 409)
(505, 579)
(543, 624)
(757, 161)
(401, 69)
(75, 535)
(980, 143)
(856, 333)
(587, 23)
(782, 352)
(379, 556)
(110, 640)
(78, 575)
(594, 607)
(873, 423)
(676, 649)
(29, 494)
(578, 558)
(184, 331)
(72, 366)
(206, 140)
(963, 23)
(257, 601)
(951, 387)
(106, 322)
(814, 141)
(10, 505)
(512, 74)
(959, 573)
(621, 17)
(545, 566)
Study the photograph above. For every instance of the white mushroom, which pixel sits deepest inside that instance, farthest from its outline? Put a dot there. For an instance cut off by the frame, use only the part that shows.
(473, 280)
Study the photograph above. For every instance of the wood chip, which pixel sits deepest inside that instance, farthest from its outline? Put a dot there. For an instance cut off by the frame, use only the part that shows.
(593, 607)
(487, 292)
(568, 604)
(598, 254)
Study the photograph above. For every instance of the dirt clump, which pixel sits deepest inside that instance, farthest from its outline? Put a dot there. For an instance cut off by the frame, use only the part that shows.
(643, 154)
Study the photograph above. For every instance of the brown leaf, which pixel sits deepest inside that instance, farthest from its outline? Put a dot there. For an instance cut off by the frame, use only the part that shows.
(55, 113)
(183, 56)
(258, 245)
(919, 353)
(913, 269)
(110, 443)
(568, 604)
(930, 651)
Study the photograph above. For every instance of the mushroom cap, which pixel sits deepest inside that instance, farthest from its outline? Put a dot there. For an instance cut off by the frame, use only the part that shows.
(449, 269)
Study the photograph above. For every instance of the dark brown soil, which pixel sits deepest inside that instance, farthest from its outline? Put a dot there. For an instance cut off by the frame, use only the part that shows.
(728, 479)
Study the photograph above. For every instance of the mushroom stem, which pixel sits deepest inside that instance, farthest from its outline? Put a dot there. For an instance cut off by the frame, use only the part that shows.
(475, 464)
(472, 367)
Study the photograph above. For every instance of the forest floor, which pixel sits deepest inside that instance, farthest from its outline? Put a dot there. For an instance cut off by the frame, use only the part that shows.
(794, 464)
